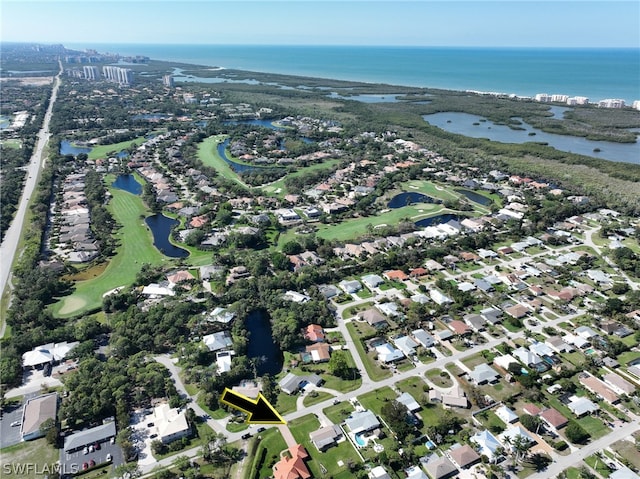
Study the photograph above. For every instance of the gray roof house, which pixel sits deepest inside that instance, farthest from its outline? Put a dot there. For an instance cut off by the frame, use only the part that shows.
(98, 434)
(362, 421)
(484, 373)
(406, 344)
(422, 337)
(326, 437)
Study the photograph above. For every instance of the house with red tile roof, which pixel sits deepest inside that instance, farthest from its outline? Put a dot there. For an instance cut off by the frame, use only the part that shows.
(395, 275)
(459, 327)
(553, 418)
(291, 464)
(314, 333)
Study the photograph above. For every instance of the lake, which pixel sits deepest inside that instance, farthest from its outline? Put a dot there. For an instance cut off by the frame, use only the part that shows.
(473, 196)
(436, 220)
(237, 167)
(128, 183)
(160, 226)
(67, 148)
(463, 124)
(261, 344)
(409, 198)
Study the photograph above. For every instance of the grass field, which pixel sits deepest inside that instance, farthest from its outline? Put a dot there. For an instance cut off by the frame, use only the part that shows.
(278, 188)
(135, 249)
(208, 154)
(101, 151)
(28, 453)
(269, 448)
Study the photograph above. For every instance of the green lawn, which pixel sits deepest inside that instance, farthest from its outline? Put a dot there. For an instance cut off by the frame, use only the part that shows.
(338, 412)
(208, 154)
(278, 188)
(356, 227)
(267, 454)
(375, 372)
(374, 400)
(136, 248)
(31, 453)
(316, 397)
(102, 151)
(598, 465)
(334, 460)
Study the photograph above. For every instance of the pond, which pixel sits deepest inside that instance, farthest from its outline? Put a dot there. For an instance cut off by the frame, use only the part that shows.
(237, 167)
(160, 226)
(409, 198)
(263, 123)
(68, 148)
(478, 127)
(261, 344)
(473, 196)
(436, 220)
(128, 183)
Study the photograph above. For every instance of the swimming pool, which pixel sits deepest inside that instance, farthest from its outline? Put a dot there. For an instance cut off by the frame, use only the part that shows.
(360, 441)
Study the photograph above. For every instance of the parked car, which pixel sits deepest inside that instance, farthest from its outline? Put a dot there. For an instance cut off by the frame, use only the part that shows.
(96, 446)
(16, 423)
(109, 457)
(246, 436)
(260, 429)
(85, 450)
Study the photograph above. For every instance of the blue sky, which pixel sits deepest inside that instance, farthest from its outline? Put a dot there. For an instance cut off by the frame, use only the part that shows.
(550, 23)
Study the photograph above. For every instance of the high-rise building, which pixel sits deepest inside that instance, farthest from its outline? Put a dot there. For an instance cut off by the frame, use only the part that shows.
(168, 81)
(122, 76)
(91, 72)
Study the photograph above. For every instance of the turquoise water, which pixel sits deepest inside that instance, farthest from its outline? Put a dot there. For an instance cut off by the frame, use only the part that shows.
(359, 441)
(596, 73)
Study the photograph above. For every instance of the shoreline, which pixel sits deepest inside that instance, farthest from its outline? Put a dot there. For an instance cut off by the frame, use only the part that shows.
(383, 64)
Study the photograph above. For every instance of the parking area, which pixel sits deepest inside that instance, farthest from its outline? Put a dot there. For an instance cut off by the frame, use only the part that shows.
(77, 461)
(32, 382)
(10, 435)
(141, 436)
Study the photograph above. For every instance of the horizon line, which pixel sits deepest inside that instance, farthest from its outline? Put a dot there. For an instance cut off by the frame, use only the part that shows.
(351, 45)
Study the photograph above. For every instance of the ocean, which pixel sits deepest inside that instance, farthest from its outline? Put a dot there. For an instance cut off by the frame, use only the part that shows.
(593, 73)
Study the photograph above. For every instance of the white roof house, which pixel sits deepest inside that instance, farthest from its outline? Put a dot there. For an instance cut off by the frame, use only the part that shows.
(408, 400)
(439, 297)
(581, 406)
(484, 373)
(387, 353)
(390, 308)
(541, 349)
(406, 344)
(221, 315)
(372, 280)
(296, 297)
(47, 353)
(362, 421)
(223, 361)
(526, 357)
(217, 341)
(171, 423)
(585, 332)
(350, 287)
(506, 414)
(487, 444)
(504, 361)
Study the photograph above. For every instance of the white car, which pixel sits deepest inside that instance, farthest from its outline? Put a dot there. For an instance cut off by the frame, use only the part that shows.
(85, 450)
(109, 457)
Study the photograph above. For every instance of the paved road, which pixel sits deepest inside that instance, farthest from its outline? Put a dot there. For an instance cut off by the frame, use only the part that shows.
(9, 245)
